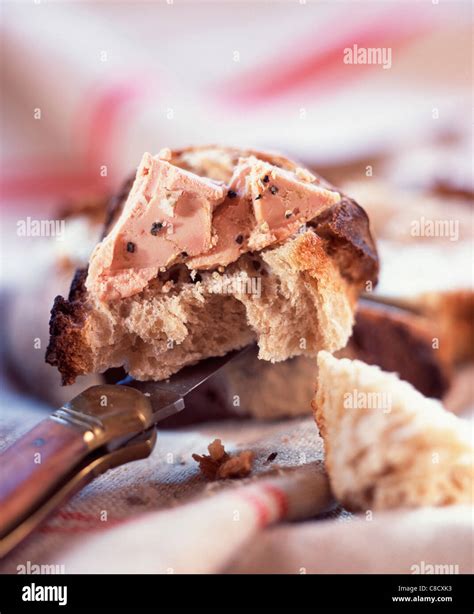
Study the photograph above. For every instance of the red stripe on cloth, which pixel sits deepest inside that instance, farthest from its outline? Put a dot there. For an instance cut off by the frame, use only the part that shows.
(55, 178)
(280, 497)
(76, 522)
(323, 66)
(261, 508)
(103, 121)
(65, 515)
(78, 528)
(67, 529)
(57, 183)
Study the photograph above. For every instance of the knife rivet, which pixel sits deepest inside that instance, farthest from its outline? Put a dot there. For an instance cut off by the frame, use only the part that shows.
(39, 442)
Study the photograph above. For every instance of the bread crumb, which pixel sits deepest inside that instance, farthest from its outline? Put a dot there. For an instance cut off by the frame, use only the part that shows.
(216, 450)
(237, 466)
(219, 465)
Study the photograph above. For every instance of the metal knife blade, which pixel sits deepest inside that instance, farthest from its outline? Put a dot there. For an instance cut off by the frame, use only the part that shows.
(167, 397)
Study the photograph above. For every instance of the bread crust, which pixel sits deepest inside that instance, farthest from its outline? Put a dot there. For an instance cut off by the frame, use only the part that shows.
(67, 348)
(399, 341)
(453, 314)
(344, 243)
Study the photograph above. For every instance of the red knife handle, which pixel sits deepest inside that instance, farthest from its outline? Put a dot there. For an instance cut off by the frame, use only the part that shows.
(34, 465)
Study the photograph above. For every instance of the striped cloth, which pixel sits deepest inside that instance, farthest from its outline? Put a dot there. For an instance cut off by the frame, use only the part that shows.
(159, 515)
(90, 86)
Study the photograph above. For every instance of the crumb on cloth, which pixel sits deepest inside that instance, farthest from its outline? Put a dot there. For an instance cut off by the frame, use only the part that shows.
(219, 465)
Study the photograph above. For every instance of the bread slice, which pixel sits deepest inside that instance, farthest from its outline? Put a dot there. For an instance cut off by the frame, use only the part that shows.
(293, 297)
(386, 444)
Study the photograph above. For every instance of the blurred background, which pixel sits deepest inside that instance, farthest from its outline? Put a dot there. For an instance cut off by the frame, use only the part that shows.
(87, 87)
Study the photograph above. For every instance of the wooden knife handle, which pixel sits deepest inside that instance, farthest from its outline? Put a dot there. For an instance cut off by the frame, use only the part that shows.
(34, 465)
(102, 427)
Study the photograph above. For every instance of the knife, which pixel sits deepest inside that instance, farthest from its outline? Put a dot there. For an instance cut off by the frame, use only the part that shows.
(103, 427)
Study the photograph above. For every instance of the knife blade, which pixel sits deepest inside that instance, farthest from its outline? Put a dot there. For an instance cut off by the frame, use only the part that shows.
(167, 397)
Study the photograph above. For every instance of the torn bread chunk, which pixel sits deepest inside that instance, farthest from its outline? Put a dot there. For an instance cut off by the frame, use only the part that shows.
(203, 258)
(387, 445)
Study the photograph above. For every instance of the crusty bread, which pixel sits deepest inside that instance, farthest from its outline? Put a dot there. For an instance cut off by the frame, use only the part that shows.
(294, 298)
(386, 444)
(400, 340)
(393, 339)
